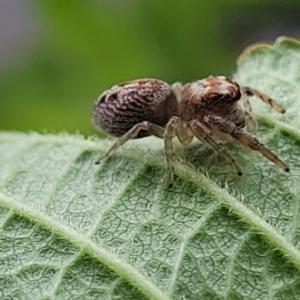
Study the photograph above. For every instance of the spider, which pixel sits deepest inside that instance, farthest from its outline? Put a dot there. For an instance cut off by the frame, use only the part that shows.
(215, 110)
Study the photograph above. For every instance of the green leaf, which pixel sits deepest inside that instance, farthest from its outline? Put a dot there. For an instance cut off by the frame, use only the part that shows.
(70, 229)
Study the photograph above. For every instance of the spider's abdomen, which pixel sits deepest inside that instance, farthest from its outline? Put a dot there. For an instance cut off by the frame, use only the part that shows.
(118, 109)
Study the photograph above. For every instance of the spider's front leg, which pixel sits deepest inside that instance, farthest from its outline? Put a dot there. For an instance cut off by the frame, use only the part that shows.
(252, 92)
(224, 126)
(151, 128)
(205, 135)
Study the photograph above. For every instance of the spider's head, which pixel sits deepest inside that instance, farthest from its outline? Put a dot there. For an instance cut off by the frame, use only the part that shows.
(215, 90)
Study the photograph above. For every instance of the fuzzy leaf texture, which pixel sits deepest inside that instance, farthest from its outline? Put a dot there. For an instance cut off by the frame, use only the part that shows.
(70, 229)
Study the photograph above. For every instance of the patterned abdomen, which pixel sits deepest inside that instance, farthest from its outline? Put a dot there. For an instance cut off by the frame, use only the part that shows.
(118, 109)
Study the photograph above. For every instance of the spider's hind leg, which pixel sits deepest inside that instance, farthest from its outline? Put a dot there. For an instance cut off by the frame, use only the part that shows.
(151, 128)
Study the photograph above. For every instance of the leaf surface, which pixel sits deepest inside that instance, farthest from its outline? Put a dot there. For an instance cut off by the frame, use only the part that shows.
(72, 230)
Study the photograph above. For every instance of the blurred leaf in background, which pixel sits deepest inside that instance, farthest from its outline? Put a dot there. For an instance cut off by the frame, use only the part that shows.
(73, 50)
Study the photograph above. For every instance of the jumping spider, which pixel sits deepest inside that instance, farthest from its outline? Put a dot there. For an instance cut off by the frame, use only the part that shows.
(214, 110)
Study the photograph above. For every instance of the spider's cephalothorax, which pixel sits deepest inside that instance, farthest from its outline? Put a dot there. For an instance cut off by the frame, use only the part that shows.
(214, 110)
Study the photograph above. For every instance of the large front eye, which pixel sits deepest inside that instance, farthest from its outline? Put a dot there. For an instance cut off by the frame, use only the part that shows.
(215, 96)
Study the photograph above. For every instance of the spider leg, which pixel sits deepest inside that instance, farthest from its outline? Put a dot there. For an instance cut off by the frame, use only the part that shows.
(132, 133)
(252, 92)
(243, 137)
(249, 121)
(168, 137)
(206, 136)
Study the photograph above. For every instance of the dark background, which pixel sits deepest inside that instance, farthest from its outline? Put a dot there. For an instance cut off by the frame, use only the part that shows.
(57, 56)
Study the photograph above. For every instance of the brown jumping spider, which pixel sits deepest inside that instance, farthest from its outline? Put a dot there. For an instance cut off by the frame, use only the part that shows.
(214, 109)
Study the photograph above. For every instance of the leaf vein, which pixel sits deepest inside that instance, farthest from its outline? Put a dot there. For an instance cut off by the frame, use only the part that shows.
(85, 244)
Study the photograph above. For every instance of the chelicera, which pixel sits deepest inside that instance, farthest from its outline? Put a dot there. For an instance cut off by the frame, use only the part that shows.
(215, 110)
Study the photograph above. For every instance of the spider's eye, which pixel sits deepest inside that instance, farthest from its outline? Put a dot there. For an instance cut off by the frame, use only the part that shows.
(215, 96)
